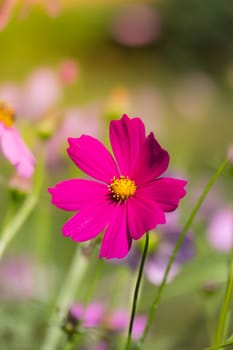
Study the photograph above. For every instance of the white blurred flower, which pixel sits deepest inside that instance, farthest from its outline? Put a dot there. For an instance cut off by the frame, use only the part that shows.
(220, 230)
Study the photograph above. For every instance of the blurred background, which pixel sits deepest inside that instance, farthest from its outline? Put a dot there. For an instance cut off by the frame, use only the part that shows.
(68, 68)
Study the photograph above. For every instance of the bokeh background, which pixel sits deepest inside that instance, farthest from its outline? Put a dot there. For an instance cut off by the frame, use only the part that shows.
(68, 68)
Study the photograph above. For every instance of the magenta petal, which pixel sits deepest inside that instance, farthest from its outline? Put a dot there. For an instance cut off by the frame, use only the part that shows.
(127, 138)
(77, 193)
(15, 150)
(143, 215)
(91, 156)
(89, 222)
(153, 161)
(167, 192)
(116, 242)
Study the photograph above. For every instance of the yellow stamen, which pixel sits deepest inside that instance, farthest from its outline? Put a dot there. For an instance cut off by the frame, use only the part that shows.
(122, 188)
(7, 115)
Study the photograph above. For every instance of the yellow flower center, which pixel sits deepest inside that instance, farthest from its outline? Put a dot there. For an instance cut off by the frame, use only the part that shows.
(122, 188)
(7, 115)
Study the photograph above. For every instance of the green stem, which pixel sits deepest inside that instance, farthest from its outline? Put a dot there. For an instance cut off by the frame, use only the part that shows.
(136, 291)
(227, 343)
(76, 271)
(71, 343)
(179, 242)
(9, 214)
(10, 230)
(223, 316)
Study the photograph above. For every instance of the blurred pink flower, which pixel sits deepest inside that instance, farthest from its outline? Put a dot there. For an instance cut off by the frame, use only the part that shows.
(68, 71)
(101, 345)
(41, 92)
(95, 315)
(36, 96)
(92, 316)
(162, 243)
(75, 120)
(12, 93)
(12, 145)
(6, 7)
(127, 198)
(220, 230)
(118, 321)
(136, 25)
(76, 311)
(20, 184)
(230, 154)
(158, 259)
(21, 278)
(53, 7)
(16, 278)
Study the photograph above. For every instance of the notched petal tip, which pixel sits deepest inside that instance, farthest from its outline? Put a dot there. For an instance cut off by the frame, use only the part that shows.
(153, 161)
(182, 184)
(50, 190)
(125, 116)
(66, 232)
(109, 255)
(115, 254)
(167, 192)
(70, 140)
(127, 137)
(53, 192)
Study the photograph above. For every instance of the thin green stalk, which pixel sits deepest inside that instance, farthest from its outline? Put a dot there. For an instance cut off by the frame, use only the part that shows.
(187, 225)
(75, 274)
(136, 291)
(227, 343)
(71, 343)
(223, 316)
(9, 213)
(22, 215)
(10, 230)
(223, 345)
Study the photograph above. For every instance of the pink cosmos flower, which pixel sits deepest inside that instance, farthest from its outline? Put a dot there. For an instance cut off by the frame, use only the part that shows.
(119, 320)
(92, 316)
(12, 145)
(95, 315)
(126, 198)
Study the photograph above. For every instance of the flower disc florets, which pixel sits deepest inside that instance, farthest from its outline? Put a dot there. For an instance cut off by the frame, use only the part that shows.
(7, 115)
(122, 188)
